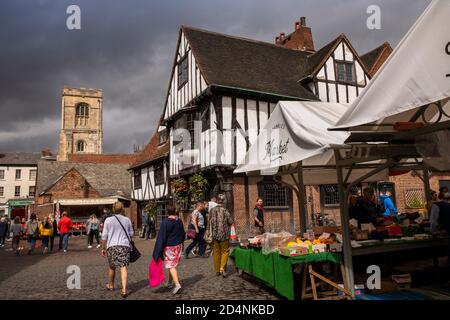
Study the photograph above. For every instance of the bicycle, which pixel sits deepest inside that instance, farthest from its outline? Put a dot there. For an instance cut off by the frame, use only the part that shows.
(321, 219)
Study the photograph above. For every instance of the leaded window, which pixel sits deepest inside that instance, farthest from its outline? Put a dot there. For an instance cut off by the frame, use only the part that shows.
(137, 180)
(274, 195)
(183, 71)
(345, 71)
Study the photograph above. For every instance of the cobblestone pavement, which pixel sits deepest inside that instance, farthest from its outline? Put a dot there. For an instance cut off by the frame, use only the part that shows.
(44, 276)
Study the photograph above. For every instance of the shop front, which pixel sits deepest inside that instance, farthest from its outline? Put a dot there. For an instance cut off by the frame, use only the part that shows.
(79, 210)
(18, 208)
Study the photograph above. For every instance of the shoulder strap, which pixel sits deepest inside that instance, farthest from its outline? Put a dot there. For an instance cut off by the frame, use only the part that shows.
(123, 228)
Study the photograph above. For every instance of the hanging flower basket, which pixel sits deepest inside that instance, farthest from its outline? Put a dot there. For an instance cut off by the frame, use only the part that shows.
(197, 187)
(151, 208)
(180, 189)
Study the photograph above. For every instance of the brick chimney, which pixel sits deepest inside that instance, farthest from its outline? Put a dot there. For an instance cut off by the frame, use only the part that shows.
(300, 39)
(46, 153)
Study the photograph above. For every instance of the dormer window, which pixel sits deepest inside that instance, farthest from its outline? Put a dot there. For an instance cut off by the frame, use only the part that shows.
(345, 71)
(183, 71)
(163, 136)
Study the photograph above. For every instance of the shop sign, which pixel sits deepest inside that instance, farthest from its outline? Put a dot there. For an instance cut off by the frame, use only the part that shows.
(277, 147)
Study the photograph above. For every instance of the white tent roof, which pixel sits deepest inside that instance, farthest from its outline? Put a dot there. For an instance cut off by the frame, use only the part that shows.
(416, 74)
(296, 130)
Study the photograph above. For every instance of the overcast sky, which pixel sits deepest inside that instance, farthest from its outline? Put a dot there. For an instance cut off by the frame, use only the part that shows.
(126, 48)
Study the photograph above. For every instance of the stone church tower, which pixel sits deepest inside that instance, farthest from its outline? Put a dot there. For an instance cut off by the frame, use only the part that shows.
(81, 122)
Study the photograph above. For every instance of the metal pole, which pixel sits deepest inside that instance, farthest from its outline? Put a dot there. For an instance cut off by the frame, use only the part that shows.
(301, 199)
(347, 246)
(426, 183)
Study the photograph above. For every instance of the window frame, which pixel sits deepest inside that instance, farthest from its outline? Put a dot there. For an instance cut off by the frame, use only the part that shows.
(34, 171)
(20, 174)
(161, 176)
(262, 192)
(345, 64)
(15, 191)
(137, 176)
(78, 145)
(323, 196)
(180, 69)
(2, 191)
(29, 191)
(165, 136)
(2, 174)
(81, 114)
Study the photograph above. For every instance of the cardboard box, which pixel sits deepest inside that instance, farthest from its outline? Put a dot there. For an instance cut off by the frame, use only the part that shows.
(335, 247)
(293, 252)
(326, 229)
(317, 248)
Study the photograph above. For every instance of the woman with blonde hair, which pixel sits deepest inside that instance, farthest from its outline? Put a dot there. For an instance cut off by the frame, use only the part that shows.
(93, 230)
(116, 240)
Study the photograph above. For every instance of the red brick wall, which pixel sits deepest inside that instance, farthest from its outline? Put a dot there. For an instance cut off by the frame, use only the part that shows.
(71, 187)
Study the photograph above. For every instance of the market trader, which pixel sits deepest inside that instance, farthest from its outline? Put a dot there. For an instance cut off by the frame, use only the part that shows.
(440, 217)
(389, 207)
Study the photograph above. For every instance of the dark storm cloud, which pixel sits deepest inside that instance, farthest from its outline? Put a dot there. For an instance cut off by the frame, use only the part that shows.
(126, 49)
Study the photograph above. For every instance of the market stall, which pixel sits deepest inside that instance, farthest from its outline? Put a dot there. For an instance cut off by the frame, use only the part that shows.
(395, 125)
(271, 258)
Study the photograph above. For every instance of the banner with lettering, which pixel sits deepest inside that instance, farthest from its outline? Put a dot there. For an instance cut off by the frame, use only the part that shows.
(296, 131)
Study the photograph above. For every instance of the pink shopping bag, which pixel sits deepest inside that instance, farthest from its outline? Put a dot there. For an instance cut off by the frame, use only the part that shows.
(156, 273)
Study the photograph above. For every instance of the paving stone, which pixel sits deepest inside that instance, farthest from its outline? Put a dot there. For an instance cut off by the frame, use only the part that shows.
(44, 277)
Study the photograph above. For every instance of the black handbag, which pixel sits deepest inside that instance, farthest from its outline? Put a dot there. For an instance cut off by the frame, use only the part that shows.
(134, 253)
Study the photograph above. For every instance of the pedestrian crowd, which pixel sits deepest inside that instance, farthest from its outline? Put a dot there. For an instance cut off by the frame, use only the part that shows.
(209, 228)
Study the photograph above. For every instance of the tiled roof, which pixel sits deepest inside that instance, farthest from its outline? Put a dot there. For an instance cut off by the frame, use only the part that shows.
(106, 178)
(248, 64)
(20, 158)
(371, 58)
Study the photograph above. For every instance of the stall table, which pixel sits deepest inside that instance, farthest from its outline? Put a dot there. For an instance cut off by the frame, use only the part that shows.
(400, 245)
(275, 270)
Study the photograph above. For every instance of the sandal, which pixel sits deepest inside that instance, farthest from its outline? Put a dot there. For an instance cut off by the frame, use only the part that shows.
(109, 288)
(123, 294)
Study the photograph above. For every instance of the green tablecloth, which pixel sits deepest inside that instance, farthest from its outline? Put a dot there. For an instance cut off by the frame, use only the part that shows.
(276, 270)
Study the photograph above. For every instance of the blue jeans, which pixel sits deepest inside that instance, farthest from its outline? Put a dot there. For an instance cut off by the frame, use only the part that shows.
(198, 241)
(45, 241)
(64, 241)
(31, 242)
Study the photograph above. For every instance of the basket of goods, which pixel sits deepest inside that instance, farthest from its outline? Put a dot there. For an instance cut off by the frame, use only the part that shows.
(293, 247)
(272, 241)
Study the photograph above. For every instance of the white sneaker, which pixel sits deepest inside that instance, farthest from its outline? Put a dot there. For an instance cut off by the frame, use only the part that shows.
(98, 246)
(65, 251)
(176, 289)
(89, 247)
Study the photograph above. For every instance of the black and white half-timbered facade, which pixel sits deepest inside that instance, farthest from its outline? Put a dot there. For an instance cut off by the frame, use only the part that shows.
(221, 93)
(150, 173)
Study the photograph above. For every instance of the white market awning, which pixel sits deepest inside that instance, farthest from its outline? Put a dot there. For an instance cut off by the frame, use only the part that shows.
(88, 202)
(296, 131)
(416, 74)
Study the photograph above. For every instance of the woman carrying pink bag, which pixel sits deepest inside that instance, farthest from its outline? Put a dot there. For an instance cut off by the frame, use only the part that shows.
(167, 251)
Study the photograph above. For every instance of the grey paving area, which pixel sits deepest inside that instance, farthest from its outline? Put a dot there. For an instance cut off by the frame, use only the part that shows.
(45, 277)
